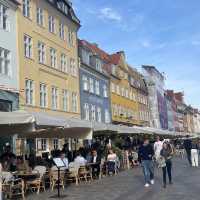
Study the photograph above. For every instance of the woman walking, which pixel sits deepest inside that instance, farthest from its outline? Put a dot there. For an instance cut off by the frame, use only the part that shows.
(167, 153)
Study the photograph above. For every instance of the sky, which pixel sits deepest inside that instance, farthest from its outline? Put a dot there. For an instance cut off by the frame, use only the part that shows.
(163, 33)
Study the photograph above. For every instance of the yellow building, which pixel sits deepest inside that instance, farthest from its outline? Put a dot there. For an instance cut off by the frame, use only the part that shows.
(48, 59)
(123, 95)
(128, 91)
(137, 81)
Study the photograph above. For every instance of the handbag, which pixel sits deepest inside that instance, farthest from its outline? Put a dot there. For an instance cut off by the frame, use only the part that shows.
(161, 162)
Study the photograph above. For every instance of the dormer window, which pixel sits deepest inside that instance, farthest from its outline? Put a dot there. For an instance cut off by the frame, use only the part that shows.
(98, 65)
(113, 70)
(86, 57)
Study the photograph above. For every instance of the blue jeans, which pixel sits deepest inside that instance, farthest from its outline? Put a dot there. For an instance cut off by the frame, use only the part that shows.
(148, 170)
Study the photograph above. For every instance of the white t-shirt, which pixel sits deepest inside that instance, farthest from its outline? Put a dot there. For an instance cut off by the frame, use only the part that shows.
(94, 159)
(80, 161)
(112, 157)
(158, 147)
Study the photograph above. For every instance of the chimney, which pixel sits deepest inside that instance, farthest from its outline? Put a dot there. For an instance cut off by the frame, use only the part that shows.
(95, 44)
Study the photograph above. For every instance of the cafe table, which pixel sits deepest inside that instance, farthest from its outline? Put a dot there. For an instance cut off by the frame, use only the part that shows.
(26, 176)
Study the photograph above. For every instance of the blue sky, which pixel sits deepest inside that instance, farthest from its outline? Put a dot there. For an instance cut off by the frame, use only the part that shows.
(162, 33)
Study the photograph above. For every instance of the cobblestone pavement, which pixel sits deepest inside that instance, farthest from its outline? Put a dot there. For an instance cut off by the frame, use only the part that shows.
(128, 185)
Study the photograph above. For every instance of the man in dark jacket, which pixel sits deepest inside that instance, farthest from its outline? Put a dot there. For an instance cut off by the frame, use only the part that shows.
(95, 164)
(145, 154)
(188, 146)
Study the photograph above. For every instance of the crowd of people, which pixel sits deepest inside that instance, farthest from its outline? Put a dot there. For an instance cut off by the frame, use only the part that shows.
(105, 158)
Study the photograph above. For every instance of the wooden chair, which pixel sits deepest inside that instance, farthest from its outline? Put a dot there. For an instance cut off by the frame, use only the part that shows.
(84, 173)
(54, 179)
(38, 182)
(12, 188)
(72, 174)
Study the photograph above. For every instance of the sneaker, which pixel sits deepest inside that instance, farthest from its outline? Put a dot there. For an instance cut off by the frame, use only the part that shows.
(164, 186)
(171, 183)
(152, 182)
(146, 185)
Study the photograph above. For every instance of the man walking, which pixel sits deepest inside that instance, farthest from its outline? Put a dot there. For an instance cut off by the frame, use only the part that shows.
(188, 146)
(145, 154)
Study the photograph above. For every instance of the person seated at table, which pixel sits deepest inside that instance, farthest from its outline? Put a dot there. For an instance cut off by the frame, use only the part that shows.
(111, 161)
(80, 160)
(65, 161)
(22, 165)
(95, 163)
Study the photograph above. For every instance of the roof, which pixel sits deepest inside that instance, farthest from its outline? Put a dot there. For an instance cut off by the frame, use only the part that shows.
(115, 58)
(96, 50)
(71, 14)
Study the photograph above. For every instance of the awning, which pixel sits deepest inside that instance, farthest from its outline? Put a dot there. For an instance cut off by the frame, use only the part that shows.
(76, 133)
(59, 127)
(16, 122)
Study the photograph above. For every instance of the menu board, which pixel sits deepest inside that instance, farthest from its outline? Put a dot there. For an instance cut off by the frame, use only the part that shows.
(59, 162)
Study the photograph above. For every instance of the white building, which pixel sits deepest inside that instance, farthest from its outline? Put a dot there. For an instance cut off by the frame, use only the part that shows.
(155, 82)
(9, 86)
(9, 69)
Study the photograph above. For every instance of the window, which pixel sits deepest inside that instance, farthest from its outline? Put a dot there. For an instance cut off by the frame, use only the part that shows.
(43, 95)
(105, 91)
(70, 37)
(122, 92)
(4, 23)
(73, 69)
(62, 31)
(118, 89)
(63, 63)
(41, 52)
(113, 87)
(74, 102)
(27, 46)
(42, 144)
(86, 112)
(55, 144)
(52, 24)
(127, 93)
(99, 114)
(93, 113)
(91, 85)
(40, 17)
(5, 62)
(85, 83)
(53, 57)
(54, 97)
(85, 56)
(65, 95)
(107, 116)
(29, 91)
(26, 8)
(97, 87)
(98, 65)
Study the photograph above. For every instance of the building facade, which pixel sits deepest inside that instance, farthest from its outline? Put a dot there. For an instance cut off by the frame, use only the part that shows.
(9, 68)
(137, 82)
(156, 84)
(94, 85)
(9, 87)
(171, 109)
(48, 59)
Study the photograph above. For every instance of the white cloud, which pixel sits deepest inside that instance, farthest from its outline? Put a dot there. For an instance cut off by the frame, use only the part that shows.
(110, 14)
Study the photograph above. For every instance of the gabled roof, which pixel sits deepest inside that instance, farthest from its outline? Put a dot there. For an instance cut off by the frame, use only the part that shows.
(115, 58)
(96, 50)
